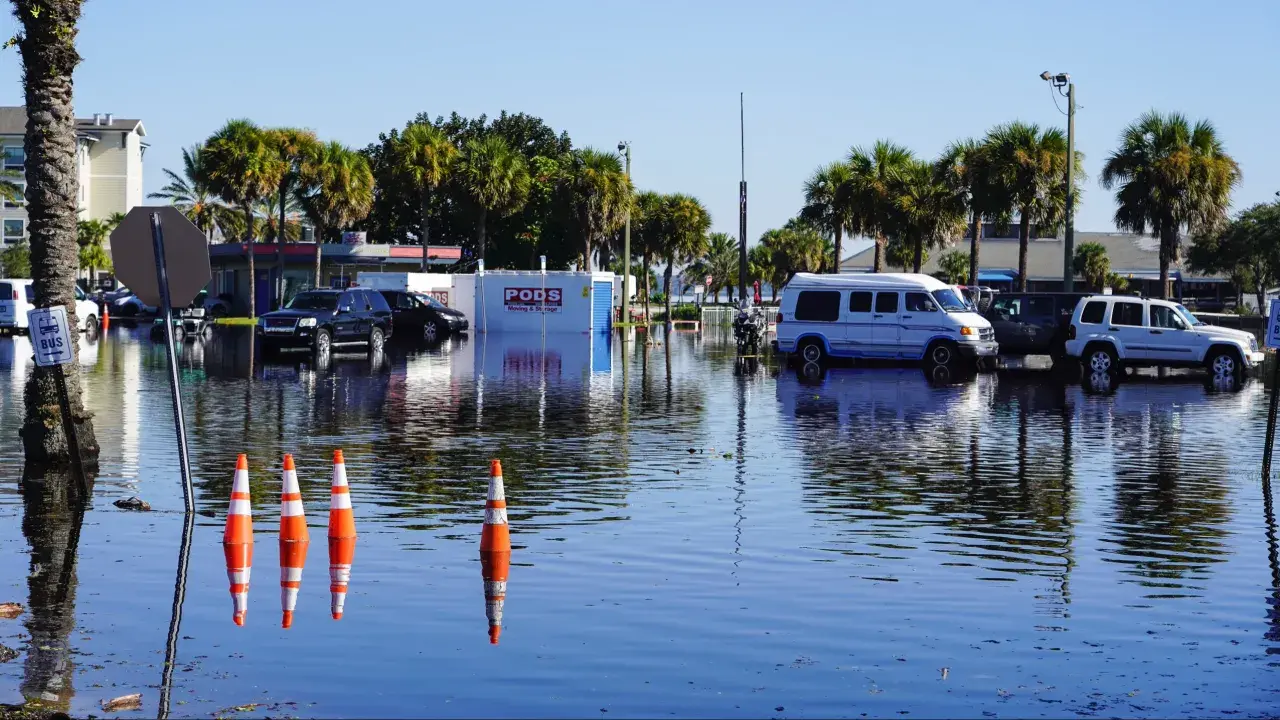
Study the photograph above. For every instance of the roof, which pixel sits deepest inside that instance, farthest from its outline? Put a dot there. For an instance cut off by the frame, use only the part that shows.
(13, 121)
(911, 280)
(1128, 253)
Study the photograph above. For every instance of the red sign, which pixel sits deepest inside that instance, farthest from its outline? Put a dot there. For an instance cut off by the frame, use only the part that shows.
(532, 300)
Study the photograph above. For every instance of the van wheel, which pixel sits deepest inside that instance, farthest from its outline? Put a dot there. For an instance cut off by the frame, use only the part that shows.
(811, 351)
(941, 354)
(375, 340)
(1102, 358)
(1223, 362)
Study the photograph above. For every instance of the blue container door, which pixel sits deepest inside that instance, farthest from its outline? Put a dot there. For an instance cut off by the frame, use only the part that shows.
(601, 306)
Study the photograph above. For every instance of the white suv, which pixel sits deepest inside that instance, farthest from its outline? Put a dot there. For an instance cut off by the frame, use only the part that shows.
(18, 296)
(1110, 330)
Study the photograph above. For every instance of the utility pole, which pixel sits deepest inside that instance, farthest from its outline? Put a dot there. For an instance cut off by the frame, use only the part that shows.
(1069, 246)
(625, 147)
(742, 204)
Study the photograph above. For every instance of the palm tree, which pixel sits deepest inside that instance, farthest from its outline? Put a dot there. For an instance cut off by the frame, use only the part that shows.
(871, 193)
(267, 220)
(648, 226)
(596, 191)
(931, 210)
(91, 236)
(828, 198)
(243, 168)
(10, 189)
(341, 190)
(293, 146)
(1091, 263)
(47, 44)
(191, 193)
(1027, 167)
(794, 248)
(685, 238)
(495, 178)
(721, 263)
(425, 156)
(760, 266)
(965, 165)
(1169, 176)
(953, 266)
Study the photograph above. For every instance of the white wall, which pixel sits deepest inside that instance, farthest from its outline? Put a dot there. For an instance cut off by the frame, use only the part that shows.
(507, 301)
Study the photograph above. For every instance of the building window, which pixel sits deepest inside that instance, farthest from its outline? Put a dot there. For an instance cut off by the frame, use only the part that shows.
(19, 201)
(14, 230)
(15, 157)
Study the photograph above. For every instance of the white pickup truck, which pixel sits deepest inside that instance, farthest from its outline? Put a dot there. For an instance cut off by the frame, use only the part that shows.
(1108, 331)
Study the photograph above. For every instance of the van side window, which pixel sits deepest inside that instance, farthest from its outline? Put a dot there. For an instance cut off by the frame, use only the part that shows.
(920, 302)
(860, 302)
(1093, 312)
(818, 305)
(887, 302)
(1127, 313)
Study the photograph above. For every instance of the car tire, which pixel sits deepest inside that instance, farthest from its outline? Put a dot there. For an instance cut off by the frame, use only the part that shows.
(376, 340)
(942, 353)
(91, 327)
(432, 332)
(323, 341)
(1101, 358)
(1223, 362)
(811, 351)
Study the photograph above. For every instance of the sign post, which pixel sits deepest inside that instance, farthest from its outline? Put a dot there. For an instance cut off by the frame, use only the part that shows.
(1272, 342)
(164, 259)
(51, 339)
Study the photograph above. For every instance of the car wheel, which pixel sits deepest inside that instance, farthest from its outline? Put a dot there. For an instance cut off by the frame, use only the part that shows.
(91, 326)
(1102, 359)
(323, 341)
(376, 340)
(1223, 362)
(431, 332)
(941, 354)
(811, 351)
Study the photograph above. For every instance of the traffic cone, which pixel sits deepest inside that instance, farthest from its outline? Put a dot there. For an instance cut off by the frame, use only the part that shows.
(342, 536)
(495, 551)
(294, 540)
(106, 318)
(494, 567)
(237, 540)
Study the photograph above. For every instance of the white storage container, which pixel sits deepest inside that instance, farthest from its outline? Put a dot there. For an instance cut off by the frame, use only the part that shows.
(522, 301)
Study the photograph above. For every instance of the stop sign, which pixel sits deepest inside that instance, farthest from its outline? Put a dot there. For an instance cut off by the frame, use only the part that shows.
(186, 254)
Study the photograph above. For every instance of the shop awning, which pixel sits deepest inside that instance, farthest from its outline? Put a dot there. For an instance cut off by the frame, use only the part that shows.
(996, 275)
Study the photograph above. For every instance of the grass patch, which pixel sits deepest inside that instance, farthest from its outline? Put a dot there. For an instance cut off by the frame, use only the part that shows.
(235, 321)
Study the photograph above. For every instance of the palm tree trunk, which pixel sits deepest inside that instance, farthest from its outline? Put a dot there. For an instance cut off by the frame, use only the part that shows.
(1024, 239)
(646, 267)
(1168, 238)
(248, 240)
(426, 228)
(918, 262)
(666, 285)
(47, 46)
(878, 266)
(484, 213)
(975, 244)
(277, 288)
(319, 245)
(835, 267)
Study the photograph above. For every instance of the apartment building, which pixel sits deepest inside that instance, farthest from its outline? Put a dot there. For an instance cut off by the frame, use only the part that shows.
(108, 159)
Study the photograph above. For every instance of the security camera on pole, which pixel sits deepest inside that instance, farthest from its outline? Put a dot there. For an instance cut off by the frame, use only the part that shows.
(1069, 234)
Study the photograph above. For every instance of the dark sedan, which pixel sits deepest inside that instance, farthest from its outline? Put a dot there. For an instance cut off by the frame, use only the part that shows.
(421, 316)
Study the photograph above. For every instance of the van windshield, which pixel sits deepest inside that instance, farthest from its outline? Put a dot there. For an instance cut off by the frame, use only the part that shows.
(949, 301)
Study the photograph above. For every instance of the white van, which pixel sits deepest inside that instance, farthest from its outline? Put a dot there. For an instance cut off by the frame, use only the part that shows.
(880, 315)
(19, 296)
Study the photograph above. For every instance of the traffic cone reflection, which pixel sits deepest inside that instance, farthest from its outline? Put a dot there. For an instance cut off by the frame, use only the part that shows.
(294, 540)
(237, 539)
(495, 551)
(342, 536)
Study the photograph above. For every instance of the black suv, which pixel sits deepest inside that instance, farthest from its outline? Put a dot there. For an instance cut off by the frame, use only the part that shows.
(322, 319)
(422, 316)
(1033, 323)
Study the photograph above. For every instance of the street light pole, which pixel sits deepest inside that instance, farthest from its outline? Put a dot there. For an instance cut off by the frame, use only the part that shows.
(1069, 234)
(626, 246)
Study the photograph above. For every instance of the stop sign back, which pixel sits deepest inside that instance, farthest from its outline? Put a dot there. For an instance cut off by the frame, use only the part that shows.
(186, 253)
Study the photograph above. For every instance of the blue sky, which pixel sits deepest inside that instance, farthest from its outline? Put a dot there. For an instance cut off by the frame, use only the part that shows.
(819, 77)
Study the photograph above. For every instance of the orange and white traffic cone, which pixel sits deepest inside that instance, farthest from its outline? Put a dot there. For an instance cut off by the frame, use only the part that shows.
(495, 551)
(294, 540)
(342, 536)
(237, 540)
(106, 318)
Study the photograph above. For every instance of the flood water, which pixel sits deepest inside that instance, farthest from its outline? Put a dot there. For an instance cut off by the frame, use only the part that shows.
(689, 539)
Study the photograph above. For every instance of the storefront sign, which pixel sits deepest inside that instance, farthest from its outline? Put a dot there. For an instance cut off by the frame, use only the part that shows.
(532, 300)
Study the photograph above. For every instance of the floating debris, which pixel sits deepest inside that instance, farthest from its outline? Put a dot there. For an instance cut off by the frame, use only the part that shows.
(124, 702)
(7, 654)
(9, 611)
(133, 503)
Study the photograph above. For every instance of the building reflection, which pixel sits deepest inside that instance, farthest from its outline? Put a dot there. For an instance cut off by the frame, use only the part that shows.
(52, 529)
